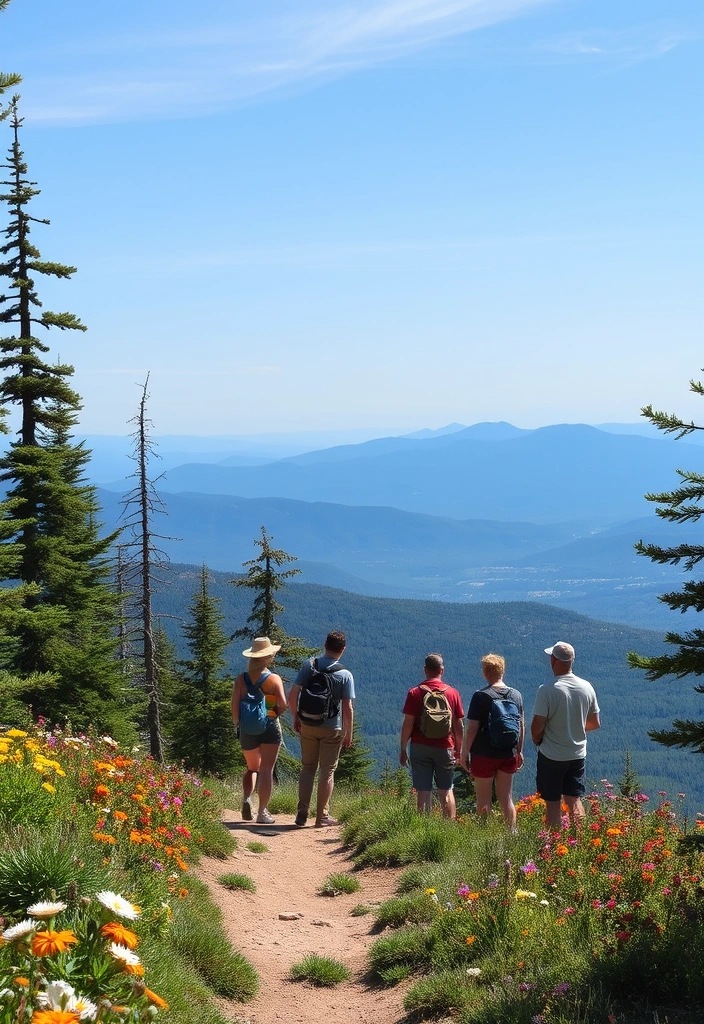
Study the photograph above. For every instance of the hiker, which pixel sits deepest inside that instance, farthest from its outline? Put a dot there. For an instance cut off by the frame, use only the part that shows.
(566, 709)
(432, 721)
(258, 699)
(492, 749)
(321, 704)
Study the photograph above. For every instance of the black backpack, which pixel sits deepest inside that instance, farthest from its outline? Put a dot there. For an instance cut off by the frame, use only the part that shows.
(315, 701)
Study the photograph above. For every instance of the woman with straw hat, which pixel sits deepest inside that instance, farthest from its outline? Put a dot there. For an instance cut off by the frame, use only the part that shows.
(258, 699)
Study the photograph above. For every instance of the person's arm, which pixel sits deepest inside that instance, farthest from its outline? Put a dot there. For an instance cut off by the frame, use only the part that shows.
(236, 697)
(406, 730)
(293, 705)
(470, 735)
(457, 733)
(537, 729)
(593, 722)
(347, 723)
(521, 740)
(279, 693)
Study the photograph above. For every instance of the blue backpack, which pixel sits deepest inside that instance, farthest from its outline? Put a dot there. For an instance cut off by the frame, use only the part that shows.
(504, 721)
(253, 714)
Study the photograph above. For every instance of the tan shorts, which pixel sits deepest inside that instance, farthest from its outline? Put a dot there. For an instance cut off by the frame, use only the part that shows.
(320, 746)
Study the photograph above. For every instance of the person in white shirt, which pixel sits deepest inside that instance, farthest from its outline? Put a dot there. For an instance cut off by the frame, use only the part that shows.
(565, 710)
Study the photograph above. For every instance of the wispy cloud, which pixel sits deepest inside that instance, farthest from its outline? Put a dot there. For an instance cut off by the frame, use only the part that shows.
(616, 48)
(193, 69)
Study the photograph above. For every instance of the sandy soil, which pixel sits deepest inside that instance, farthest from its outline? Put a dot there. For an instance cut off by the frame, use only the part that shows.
(287, 878)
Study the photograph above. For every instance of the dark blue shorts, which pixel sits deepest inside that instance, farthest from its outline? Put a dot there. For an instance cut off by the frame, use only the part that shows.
(272, 734)
(555, 779)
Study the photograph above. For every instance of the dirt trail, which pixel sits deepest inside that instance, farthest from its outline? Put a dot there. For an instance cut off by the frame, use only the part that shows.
(287, 878)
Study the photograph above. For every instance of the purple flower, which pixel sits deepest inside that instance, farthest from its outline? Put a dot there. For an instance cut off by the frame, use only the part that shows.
(561, 989)
(463, 890)
(526, 986)
(529, 868)
(157, 865)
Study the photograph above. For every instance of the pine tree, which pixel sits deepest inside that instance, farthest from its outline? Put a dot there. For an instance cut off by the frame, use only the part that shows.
(682, 505)
(61, 559)
(262, 577)
(629, 783)
(355, 765)
(199, 716)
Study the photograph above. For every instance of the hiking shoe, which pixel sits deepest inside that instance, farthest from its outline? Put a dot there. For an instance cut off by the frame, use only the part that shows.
(301, 819)
(264, 818)
(247, 810)
(327, 820)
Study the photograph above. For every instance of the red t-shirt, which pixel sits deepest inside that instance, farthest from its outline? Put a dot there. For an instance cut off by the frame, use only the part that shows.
(414, 705)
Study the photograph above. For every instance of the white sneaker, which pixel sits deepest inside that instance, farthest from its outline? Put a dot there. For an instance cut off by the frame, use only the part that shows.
(264, 818)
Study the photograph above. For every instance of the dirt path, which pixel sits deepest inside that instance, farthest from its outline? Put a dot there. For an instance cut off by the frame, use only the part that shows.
(287, 878)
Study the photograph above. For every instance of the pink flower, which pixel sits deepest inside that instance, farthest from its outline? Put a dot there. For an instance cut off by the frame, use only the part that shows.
(666, 891)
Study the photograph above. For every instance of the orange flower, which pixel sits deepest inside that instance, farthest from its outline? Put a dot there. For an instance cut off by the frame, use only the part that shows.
(470, 939)
(55, 1017)
(47, 943)
(181, 863)
(647, 876)
(135, 836)
(155, 999)
(137, 969)
(562, 849)
(101, 791)
(103, 837)
(24, 982)
(117, 932)
(183, 893)
(597, 842)
(120, 816)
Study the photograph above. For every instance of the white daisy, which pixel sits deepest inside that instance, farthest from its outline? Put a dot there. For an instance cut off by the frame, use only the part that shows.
(110, 741)
(83, 1007)
(46, 909)
(118, 905)
(19, 931)
(124, 954)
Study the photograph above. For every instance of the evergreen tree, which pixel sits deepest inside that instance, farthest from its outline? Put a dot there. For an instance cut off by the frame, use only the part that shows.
(355, 765)
(60, 557)
(200, 718)
(266, 581)
(629, 783)
(681, 505)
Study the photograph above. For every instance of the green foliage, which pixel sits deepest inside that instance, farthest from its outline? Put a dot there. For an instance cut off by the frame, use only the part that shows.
(406, 949)
(361, 910)
(355, 765)
(37, 863)
(415, 908)
(319, 970)
(681, 505)
(198, 937)
(336, 884)
(256, 847)
(232, 880)
(199, 717)
(284, 799)
(440, 995)
(629, 783)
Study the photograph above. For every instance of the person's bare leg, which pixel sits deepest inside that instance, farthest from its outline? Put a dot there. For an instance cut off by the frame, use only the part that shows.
(482, 791)
(249, 779)
(424, 799)
(504, 787)
(575, 808)
(553, 813)
(269, 753)
(447, 801)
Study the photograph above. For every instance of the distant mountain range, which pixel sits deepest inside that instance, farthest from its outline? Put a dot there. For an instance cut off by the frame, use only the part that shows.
(568, 473)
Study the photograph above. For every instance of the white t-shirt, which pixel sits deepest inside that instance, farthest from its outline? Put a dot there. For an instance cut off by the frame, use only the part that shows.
(565, 703)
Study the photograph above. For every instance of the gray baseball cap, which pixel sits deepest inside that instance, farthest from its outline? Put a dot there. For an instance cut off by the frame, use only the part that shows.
(561, 650)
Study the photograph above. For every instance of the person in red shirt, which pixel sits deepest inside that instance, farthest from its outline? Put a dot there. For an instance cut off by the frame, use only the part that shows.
(432, 758)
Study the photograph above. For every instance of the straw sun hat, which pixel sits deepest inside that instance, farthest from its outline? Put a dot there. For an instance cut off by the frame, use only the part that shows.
(261, 648)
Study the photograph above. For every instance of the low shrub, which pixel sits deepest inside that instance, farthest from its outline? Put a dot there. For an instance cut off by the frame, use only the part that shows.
(336, 884)
(256, 847)
(319, 970)
(231, 880)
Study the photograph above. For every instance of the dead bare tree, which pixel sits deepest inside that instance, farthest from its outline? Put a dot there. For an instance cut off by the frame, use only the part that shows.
(142, 561)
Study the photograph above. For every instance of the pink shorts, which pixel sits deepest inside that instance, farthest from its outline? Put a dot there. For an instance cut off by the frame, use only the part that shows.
(486, 767)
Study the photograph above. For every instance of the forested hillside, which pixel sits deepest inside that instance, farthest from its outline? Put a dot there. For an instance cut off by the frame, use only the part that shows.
(388, 638)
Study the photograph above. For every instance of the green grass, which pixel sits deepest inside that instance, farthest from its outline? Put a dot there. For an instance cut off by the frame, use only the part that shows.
(361, 910)
(336, 884)
(256, 847)
(319, 970)
(284, 799)
(197, 936)
(441, 994)
(231, 880)
(414, 908)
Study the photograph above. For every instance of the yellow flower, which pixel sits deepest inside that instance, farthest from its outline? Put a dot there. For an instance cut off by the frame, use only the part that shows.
(16, 734)
(430, 892)
(48, 787)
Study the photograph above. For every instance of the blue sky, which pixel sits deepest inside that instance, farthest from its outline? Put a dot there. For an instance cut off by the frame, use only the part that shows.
(388, 214)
